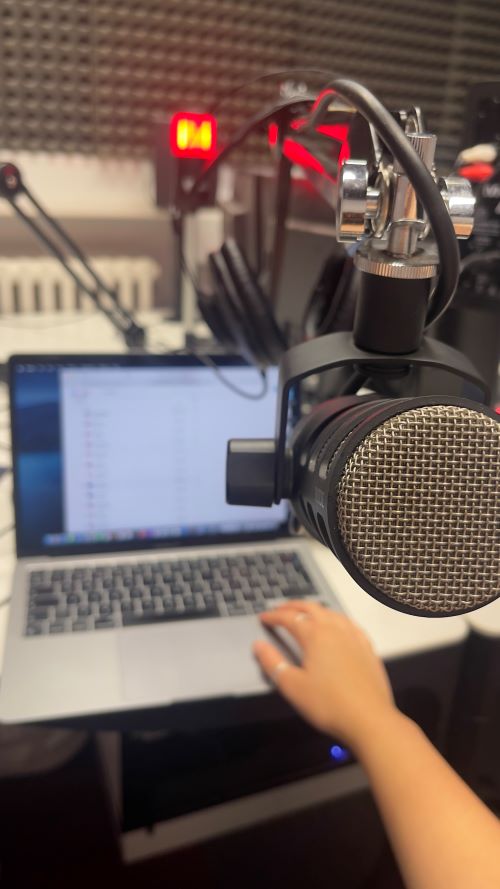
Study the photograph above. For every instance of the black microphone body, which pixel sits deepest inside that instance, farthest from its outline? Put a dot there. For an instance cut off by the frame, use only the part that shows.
(403, 490)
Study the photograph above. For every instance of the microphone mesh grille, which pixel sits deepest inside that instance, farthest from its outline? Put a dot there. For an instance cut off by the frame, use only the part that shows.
(419, 508)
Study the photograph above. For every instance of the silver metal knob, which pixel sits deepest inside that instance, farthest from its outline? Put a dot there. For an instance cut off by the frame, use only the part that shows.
(353, 200)
(425, 146)
(460, 201)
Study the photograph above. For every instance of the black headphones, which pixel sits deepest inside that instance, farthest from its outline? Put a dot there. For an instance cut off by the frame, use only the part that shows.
(239, 313)
(241, 317)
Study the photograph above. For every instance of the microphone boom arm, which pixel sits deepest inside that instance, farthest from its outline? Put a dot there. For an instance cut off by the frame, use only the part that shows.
(11, 186)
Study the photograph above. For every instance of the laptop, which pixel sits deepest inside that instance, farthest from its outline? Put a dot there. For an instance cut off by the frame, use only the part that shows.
(136, 585)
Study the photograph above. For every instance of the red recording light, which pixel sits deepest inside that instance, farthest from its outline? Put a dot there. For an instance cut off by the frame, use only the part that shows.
(478, 172)
(300, 155)
(193, 135)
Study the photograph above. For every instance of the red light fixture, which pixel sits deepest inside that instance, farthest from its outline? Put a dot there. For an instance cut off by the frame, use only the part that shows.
(193, 135)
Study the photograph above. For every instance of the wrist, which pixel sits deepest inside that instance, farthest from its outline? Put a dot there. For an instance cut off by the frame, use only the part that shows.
(374, 728)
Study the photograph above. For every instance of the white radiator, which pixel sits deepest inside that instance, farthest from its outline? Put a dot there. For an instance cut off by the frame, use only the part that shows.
(38, 284)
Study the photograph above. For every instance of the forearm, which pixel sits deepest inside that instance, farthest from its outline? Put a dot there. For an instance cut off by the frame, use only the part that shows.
(441, 833)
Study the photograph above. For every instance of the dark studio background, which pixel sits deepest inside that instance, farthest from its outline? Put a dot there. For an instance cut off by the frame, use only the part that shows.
(91, 76)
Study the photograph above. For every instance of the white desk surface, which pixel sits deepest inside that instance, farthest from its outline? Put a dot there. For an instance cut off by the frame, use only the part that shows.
(486, 621)
(393, 634)
(56, 333)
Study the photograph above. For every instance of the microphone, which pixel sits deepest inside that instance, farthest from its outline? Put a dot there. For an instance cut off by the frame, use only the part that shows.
(403, 490)
(405, 493)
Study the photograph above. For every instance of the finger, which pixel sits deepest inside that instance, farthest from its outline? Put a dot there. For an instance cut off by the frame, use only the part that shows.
(297, 623)
(312, 608)
(362, 636)
(287, 678)
(342, 623)
(319, 614)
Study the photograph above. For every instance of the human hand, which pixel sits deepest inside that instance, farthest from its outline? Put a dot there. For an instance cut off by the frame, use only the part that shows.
(342, 687)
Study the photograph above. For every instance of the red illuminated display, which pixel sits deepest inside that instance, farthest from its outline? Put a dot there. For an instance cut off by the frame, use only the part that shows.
(193, 135)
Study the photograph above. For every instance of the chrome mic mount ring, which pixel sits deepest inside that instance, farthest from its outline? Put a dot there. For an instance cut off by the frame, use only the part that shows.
(374, 259)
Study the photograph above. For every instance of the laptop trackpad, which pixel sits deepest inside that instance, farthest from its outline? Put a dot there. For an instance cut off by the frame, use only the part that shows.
(190, 660)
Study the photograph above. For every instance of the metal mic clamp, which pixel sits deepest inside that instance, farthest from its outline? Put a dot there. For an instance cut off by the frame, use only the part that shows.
(397, 258)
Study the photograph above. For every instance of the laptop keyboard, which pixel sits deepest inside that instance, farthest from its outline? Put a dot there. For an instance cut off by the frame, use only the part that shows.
(99, 597)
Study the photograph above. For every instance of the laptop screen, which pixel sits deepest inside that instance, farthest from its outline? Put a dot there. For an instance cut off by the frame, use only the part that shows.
(129, 452)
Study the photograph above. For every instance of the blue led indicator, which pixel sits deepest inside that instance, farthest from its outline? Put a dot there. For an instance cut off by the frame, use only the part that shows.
(338, 753)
